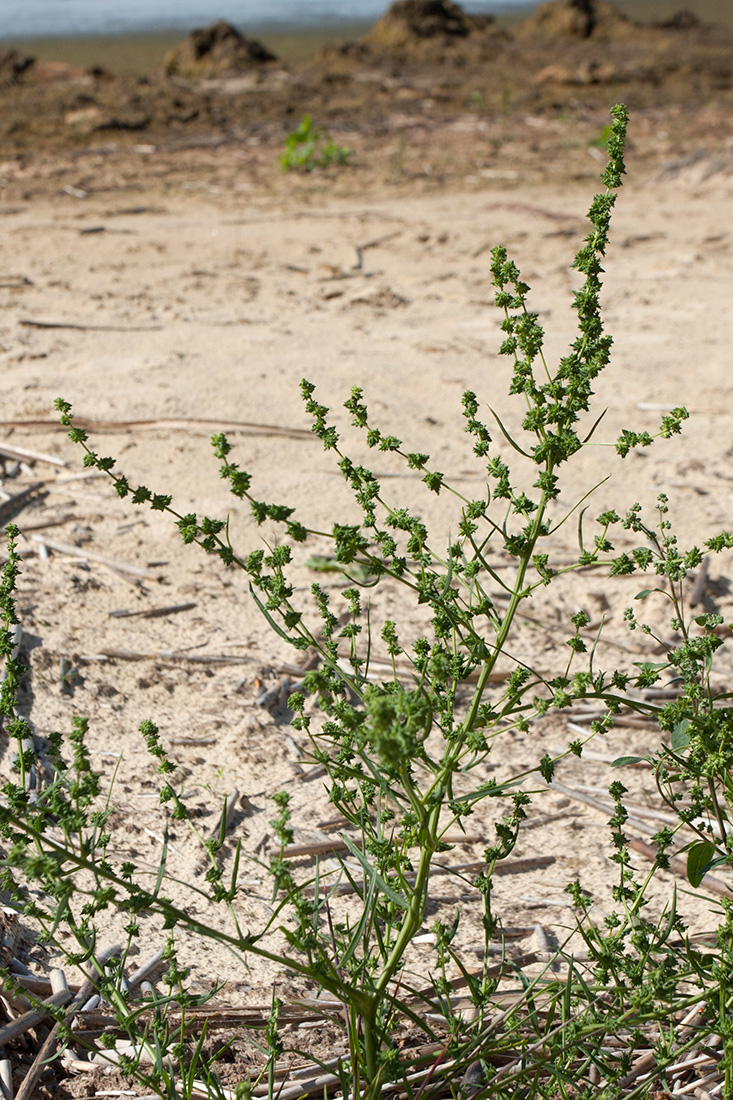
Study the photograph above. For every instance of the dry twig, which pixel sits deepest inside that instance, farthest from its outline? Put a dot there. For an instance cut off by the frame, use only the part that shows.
(92, 555)
(163, 424)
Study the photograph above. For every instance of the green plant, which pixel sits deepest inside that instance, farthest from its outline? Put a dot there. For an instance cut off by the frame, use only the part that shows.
(405, 752)
(309, 147)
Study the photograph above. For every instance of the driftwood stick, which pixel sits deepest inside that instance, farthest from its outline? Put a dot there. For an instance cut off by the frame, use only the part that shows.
(376, 241)
(680, 1068)
(39, 986)
(653, 406)
(679, 867)
(153, 612)
(211, 739)
(33, 1017)
(9, 507)
(308, 1080)
(591, 800)
(144, 971)
(164, 424)
(15, 282)
(317, 847)
(543, 941)
(28, 322)
(22, 453)
(163, 655)
(497, 971)
(361, 248)
(510, 867)
(407, 671)
(6, 1077)
(169, 655)
(92, 555)
(48, 1048)
(623, 719)
(76, 1065)
(694, 1086)
(58, 981)
(300, 1088)
(83, 475)
(641, 1066)
(591, 754)
(649, 812)
(45, 524)
(647, 1061)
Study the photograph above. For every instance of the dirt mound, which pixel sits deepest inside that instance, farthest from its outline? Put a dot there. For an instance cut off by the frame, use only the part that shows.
(407, 20)
(12, 65)
(418, 32)
(216, 50)
(410, 24)
(60, 72)
(680, 21)
(16, 68)
(576, 19)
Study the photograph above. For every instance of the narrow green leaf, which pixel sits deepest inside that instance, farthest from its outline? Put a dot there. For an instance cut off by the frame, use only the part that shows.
(508, 438)
(275, 626)
(369, 871)
(223, 823)
(366, 916)
(698, 861)
(644, 593)
(623, 761)
(598, 420)
(580, 529)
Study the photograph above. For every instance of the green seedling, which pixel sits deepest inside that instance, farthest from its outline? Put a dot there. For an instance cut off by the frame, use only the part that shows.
(309, 147)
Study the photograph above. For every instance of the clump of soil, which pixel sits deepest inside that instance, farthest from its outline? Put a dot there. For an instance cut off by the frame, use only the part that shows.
(681, 21)
(419, 32)
(408, 20)
(215, 51)
(60, 72)
(576, 19)
(12, 65)
(18, 68)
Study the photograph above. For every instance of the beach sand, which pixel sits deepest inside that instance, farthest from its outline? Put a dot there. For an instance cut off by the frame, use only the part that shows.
(174, 280)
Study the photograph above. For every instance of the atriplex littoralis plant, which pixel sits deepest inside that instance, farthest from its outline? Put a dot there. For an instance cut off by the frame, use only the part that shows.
(405, 757)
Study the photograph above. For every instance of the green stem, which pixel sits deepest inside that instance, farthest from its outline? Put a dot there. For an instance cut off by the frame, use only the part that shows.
(503, 633)
(416, 912)
(410, 926)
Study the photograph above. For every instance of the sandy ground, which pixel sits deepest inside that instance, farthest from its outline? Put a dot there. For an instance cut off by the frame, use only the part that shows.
(202, 285)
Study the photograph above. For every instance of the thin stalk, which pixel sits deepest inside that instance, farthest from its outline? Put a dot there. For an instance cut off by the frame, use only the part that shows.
(514, 602)
(410, 925)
